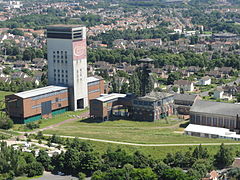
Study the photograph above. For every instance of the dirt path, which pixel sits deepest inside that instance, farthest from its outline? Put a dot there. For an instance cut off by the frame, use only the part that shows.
(82, 115)
(146, 145)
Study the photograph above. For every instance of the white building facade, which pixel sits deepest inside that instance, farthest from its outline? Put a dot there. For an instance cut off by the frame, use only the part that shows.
(67, 62)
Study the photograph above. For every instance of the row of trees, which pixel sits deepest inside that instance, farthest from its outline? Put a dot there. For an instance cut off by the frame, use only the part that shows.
(81, 159)
(162, 57)
(17, 163)
(53, 16)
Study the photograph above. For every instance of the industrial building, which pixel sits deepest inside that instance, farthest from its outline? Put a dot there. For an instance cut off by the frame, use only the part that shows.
(210, 132)
(69, 87)
(38, 103)
(216, 114)
(67, 62)
(153, 106)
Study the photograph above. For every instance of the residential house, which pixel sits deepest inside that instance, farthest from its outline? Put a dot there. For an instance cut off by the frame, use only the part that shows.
(233, 90)
(215, 74)
(206, 80)
(218, 93)
(213, 175)
(20, 65)
(193, 69)
(184, 85)
(19, 74)
(5, 80)
(160, 72)
(31, 80)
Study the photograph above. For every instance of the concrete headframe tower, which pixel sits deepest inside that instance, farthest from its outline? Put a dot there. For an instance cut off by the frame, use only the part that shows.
(67, 62)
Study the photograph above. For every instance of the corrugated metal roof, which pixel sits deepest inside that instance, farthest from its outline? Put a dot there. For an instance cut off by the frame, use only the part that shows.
(40, 91)
(220, 108)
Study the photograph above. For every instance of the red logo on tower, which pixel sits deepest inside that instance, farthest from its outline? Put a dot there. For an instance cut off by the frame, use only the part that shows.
(79, 50)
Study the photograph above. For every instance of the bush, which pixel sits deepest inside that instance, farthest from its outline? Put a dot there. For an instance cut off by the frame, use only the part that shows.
(6, 123)
(32, 126)
(34, 169)
(81, 176)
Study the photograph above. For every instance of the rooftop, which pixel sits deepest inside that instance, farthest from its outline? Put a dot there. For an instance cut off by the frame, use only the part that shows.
(108, 97)
(63, 27)
(40, 91)
(93, 79)
(220, 108)
(154, 96)
(185, 97)
(224, 132)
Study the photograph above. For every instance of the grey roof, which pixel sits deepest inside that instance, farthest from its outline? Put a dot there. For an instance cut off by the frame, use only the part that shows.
(154, 96)
(146, 60)
(40, 91)
(212, 107)
(185, 97)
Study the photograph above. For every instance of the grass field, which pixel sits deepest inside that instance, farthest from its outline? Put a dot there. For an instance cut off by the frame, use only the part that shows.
(48, 122)
(160, 132)
(155, 152)
(3, 94)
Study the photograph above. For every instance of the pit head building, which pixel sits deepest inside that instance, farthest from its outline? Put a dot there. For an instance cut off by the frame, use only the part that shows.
(67, 62)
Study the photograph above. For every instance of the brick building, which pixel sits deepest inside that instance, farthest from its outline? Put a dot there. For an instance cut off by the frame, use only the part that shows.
(95, 87)
(151, 107)
(38, 103)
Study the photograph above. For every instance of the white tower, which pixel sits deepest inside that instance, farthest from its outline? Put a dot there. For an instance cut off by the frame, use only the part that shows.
(67, 62)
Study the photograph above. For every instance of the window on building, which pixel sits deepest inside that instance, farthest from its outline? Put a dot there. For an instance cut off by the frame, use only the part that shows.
(56, 100)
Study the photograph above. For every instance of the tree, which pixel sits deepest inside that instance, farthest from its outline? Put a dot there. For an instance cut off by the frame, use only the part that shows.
(159, 169)
(34, 169)
(200, 152)
(175, 174)
(172, 77)
(224, 157)
(44, 159)
(234, 173)
(202, 166)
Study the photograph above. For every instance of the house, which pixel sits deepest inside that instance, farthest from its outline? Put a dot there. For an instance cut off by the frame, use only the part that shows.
(193, 69)
(183, 102)
(213, 175)
(206, 80)
(236, 163)
(215, 74)
(31, 80)
(218, 93)
(20, 65)
(233, 90)
(19, 74)
(5, 80)
(184, 85)
(160, 72)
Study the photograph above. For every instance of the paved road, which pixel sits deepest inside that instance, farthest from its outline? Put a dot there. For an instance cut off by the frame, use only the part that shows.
(49, 176)
(147, 145)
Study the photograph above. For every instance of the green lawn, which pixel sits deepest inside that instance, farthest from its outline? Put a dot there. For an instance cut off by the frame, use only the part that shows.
(48, 122)
(155, 152)
(159, 132)
(4, 93)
